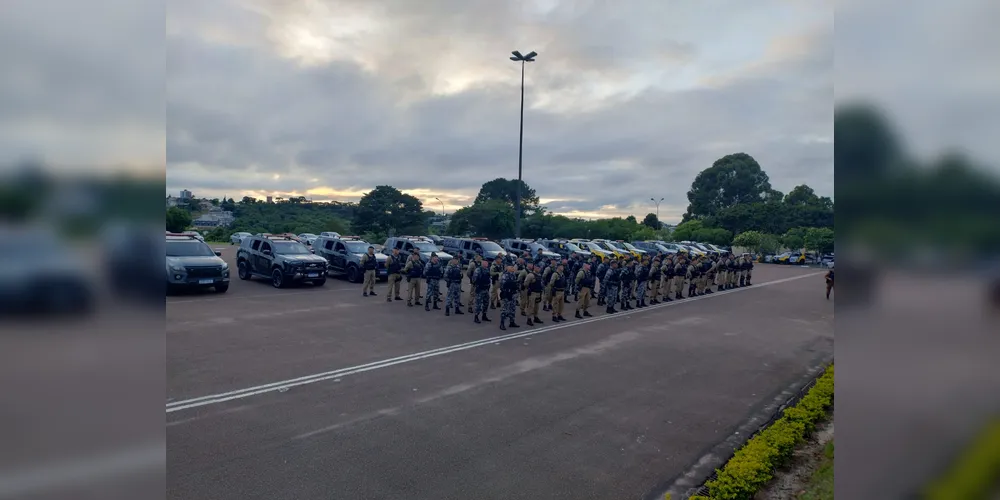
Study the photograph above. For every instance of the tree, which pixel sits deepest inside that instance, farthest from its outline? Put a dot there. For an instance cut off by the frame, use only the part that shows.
(505, 190)
(748, 239)
(645, 233)
(685, 231)
(631, 219)
(492, 219)
(177, 219)
(731, 180)
(651, 221)
(794, 239)
(248, 200)
(801, 195)
(385, 209)
(819, 239)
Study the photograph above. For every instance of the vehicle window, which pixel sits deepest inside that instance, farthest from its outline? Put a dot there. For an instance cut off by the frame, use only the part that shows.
(571, 247)
(489, 246)
(256, 245)
(265, 247)
(340, 247)
(425, 246)
(476, 247)
(290, 248)
(408, 247)
(188, 249)
(399, 245)
(328, 245)
(466, 245)
(357, 247)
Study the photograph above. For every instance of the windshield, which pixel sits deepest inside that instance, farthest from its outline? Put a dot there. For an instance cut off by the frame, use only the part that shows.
(188, 249)
(535, 247)
(629, 246)
(489, 246)
(612, 247)
(590, 246)
(357, 246)
(572, 247)
(307, 235)
(289, 248)
(424, 246)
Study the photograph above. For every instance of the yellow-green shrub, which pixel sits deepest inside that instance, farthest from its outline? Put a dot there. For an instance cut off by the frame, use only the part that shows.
(753, 465)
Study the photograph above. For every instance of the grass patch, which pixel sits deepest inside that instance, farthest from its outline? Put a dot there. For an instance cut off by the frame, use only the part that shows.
(820, 486)
(753, 465)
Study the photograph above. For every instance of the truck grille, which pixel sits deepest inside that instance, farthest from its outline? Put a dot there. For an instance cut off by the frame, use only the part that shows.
(204, 271)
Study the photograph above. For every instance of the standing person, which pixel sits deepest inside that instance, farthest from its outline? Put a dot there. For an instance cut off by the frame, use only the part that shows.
(474, 265)
(453, 277)
(522, 291)
(609, 286)
(691, 277)
(433, 274)
(547, 278)
(394, 264)
(508, 294)
(413, 272)
(749, 270)
(744, 269)
(539, 257)
(733, 272)
(667, 278)
(481, 281)
(585, 284)
(533, 284)
(829, 284)
(627, 277)
(369, 263)
(557, 285)
(654, 281)
(680, 273)
(496, 269)
(641, 282)
(720, 273)
(602, 268)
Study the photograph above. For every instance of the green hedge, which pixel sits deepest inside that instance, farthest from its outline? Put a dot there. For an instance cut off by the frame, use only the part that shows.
(973, 476)
(753, 465)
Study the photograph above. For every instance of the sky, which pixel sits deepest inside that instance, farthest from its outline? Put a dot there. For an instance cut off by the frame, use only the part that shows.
(627, 101)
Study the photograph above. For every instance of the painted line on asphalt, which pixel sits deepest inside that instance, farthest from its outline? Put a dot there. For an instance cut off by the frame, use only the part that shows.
(343, 372)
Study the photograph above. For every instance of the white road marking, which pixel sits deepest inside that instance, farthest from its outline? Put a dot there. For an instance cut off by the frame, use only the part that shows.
(353, 370)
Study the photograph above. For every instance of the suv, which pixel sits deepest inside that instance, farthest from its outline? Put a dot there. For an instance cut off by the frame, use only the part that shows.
(612, 247)
(191, 263)
(307, 238)
(601, 253)
(343, 256)
(564, 248)
(406, 244)
(652, 247)
(467, 248)
(283, 259)
(518, 247)
(632, 249)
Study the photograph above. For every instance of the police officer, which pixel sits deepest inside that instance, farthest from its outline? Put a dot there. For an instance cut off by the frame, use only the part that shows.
(609, 285)
(733, 267)
(627, 277)
(533, 284)
(713, 267)
(680, 274)
(433, 273)
(453, 277)
(540, 258)
(569, 270)
(749, 270)
(496, 269)
(692, 277)
(744, 269)
(522, 290)
(474, 264)
(641, 282)
(602, 268)
(369, 263)
(508, 294)
(829, 284)
(394, 264)
(720, 273)
(585, 284)
(481, 281)
(547, 278)
(413, 272)
(667, 277)
(557, 285)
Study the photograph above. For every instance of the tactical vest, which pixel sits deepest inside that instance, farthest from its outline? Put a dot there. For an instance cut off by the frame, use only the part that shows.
(508, 284)
(535, 286)
(483, 280)
(642, 274)
(371, 262)
(394, 265)
(453, 274)
(415, 269)
(433, 272)
(613, 276)
(560, 283)
(588, 279)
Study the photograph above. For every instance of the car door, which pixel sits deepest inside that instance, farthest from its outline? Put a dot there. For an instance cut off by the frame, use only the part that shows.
(339, 257)
(263, 259)
(326, 251)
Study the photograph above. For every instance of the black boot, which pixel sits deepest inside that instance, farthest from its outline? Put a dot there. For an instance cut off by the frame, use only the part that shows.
(409, 304)
(417, 302)
(388, 298)
(364, 294)
(436, 305)
(611, 310)
(578, 315)
(513, 325)
(667, 299)
(397, 298)
(427, 306)
(709, 291)
(447, 311)
(530, 323)
(561, 318)
(476, 319)
(502, 326)
(485, 318)
(538, 321)
(555, 319)
(458, 311)
(586, 314)
(372, 293)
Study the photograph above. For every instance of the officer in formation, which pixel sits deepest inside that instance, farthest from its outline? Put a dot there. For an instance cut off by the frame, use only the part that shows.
(453, 278)
(496, 269)
(641, 282)
(546, 278)
(369, 263)
(394, 265)
(557, 287)
(584, 283)
(627, 277)
(474, 265)
(533, 288)
(413, 271)
(654, 280)
(609, 285)
(602, 290)
(481, 281)
(508, 295)
(433, 274)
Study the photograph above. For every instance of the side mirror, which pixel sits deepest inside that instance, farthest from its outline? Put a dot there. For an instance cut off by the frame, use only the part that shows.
(218, 253)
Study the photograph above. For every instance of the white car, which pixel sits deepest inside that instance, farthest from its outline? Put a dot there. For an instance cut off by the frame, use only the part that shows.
(236, 238)
(330, 234)
(308, 238)
(196, 234)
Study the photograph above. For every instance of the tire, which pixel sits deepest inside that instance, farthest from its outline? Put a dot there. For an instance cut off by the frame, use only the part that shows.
(277, 279)
(222, 288)
(353, 274)
(243, 270)
(319, 282)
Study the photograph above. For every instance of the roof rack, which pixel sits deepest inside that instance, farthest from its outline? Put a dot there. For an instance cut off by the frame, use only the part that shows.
(481, 239)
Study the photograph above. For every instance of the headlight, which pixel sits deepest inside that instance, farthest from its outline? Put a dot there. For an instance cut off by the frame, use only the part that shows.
(225, 266)
(177, 267)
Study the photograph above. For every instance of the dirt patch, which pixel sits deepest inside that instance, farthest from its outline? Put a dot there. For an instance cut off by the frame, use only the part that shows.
(791, 481)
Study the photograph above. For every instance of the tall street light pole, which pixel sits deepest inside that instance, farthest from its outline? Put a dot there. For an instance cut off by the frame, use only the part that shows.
(442, 204)
(530, 57)
(657, 207)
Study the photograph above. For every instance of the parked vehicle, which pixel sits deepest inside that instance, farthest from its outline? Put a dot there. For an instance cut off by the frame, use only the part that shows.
(635, 251)
(343, 256)
(424, 246)
(41, 274)
(190, 263)
(612, 247)
(518, 247)
(236, 238)
(307, 238)
(594, 248)
(282, 259)
(653, 247)
(564, 248)
(466, 249)
(330, 234)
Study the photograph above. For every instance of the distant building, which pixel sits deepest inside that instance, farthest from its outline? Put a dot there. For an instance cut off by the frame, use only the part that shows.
(214, 219)
(269, 200)
(171, 201)
(185, 194)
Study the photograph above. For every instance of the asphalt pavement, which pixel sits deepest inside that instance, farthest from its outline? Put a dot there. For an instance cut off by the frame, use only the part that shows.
(318, 392)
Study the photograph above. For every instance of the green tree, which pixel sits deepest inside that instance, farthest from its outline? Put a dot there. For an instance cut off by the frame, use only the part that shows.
(819, 239)
(794, 239)
(505, 190)
(769, 244)
(731, 180)
(386, 208)
(748, 239)
(686, 231)
(651, 221)
(631, 219)
(645, 233)
(492, 219)
(178, 219)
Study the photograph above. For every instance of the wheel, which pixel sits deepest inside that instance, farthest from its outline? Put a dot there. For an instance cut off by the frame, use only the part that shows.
(353, 274)
(222, 288)
(319, 282)
(243, 270)
(277, 279)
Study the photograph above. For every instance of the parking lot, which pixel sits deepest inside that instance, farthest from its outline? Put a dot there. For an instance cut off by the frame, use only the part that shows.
(318, 392)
